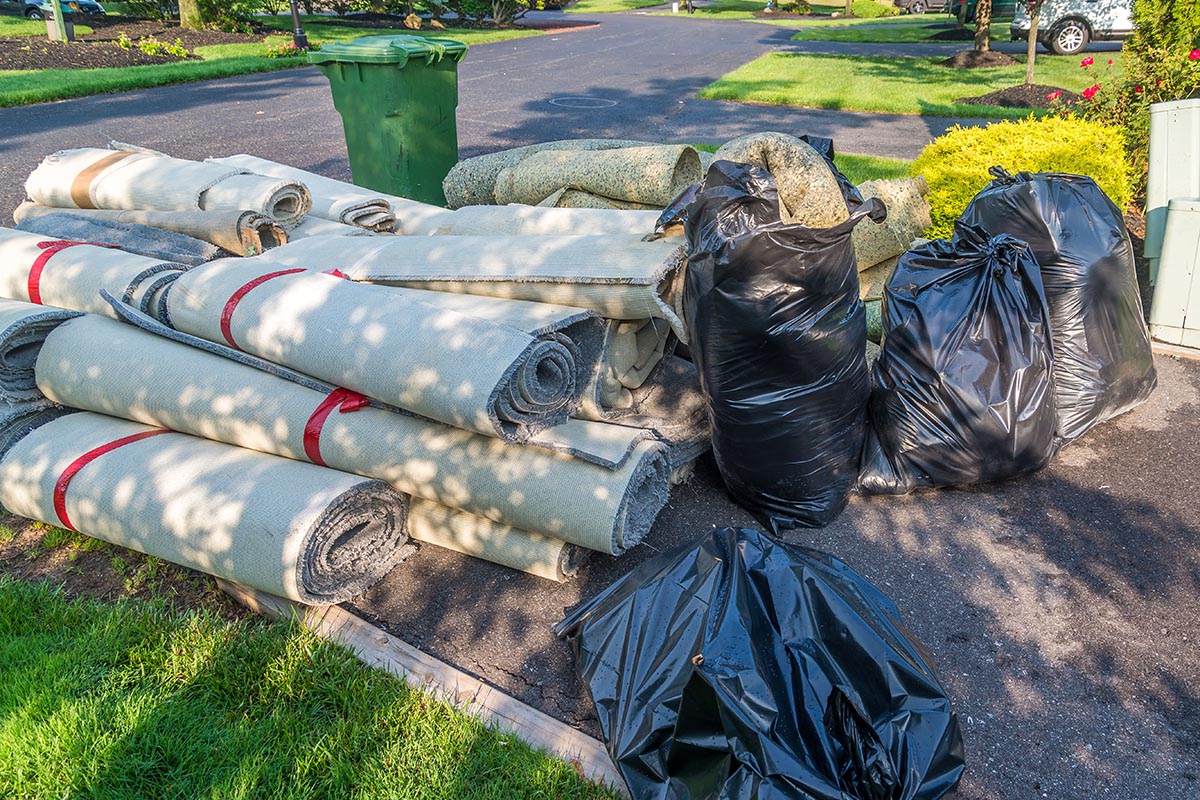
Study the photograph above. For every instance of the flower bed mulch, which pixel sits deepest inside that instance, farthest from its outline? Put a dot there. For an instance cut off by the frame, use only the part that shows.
(1034, 96)
(974, 59)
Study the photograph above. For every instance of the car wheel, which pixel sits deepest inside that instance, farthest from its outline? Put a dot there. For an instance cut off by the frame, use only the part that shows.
(33, 12)
(917, 7)
(1070, 37)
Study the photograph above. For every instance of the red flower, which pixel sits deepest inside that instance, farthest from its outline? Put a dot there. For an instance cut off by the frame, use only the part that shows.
(1194, 55)
(1137, 89)
(1054, 95)
(1090, 92)
(1110, 62)
(1087, 62)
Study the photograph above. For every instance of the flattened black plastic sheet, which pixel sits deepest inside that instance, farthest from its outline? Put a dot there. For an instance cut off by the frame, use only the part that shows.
(778, 332)
(743, 668)
(963, 388)
(1103, 363)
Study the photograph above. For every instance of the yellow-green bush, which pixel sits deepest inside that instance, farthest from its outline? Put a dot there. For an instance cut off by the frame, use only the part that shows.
(956, 164)
(870, 9)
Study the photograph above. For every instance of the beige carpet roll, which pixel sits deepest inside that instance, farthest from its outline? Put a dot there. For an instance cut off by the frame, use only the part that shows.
(296, 530)
(332, 199)
(538, 555)
(312, 226)
(18, 419)
(464, 371)
(632, 351)
(117, 369)
(47, 271)
(808, 189)
(472, 181)
(23, 329)
(618, 277)
(91, 177)
(652, 174)
(907, 219)
(243, 233)
(518, 220)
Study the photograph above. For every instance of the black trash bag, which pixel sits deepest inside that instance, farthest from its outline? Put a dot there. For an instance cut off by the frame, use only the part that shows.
(1103, 363)
(963, 388)
(743, 668)
(778, 332)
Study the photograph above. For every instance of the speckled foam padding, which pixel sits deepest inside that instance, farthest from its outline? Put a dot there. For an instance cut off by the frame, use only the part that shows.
(576, 198)
(242, 233)
(333, 200)
(91, 177)
(472, 181)
(808, 188)
(45, 270)
(308, 533)
(907, 219)
(112, 368)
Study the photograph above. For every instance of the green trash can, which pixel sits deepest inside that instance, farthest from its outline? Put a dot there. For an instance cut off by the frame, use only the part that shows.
(397, 96)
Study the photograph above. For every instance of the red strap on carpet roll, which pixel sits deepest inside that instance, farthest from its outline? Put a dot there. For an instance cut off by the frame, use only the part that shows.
(34, 285)
(232, 304)
(344, 401)
(337, 273)
(64, 480)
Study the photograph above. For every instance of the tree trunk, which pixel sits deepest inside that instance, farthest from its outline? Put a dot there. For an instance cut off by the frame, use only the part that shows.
(983, 26)
(848, 12)
(189, 15)
(1031, 51)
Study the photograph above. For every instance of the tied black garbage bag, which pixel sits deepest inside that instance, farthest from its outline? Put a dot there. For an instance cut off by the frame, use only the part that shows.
(963, 388)
(1102, 360)
(778, 332)
(743, 668)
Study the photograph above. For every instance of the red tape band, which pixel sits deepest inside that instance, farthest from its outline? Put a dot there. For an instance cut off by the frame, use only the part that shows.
(34, 284)
(344, 401)
(64, 480)
(232, 304)
(337, 273)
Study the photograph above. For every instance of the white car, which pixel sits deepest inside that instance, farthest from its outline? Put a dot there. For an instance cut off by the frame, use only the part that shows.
(1066, 26)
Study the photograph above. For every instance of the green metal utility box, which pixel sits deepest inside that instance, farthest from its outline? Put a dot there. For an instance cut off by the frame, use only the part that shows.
(397, 96)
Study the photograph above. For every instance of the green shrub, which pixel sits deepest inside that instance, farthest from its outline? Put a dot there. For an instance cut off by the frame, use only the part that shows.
(795, 7)
(869, 9)
(956, 164)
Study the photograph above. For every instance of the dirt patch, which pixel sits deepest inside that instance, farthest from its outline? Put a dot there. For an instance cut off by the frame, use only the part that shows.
(1035, 96)
(955, 34)
(973, 59)
(83, 567)
(109, 30)
(28, 52)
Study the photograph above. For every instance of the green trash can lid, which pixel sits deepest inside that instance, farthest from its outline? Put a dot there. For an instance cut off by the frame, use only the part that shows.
(396, 50)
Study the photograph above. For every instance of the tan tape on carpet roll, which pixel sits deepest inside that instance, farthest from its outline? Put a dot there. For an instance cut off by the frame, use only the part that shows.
(333, 200)
(23, 329)
(542, 556)
(618, 277)
(243, 233)
(468, 372)
(49, 271)
(295, 530)
(519, 220)
(472, 181)
(652, 174)
(907, 219)
(90, 177)
(120, 370)
(807, 186)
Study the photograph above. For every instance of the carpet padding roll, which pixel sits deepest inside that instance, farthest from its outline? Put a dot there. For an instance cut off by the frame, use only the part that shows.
(907, 219)
(243, 233)
(332, 199)
(90, 177)
(296, 530)
(117, 369)
(23, 329)
(618, 277)
(808, 188)
(464, 371)
(652, 174)
(44, 270)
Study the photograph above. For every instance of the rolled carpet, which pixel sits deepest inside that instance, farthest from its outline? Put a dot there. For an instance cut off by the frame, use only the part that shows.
(334, 200)
(808, 188)
(140, 239)
(652, 174)
(468, 372)
(472, 181)
(312, 226)
(107, 367)
(542, 556)
(617, 276)
(45, 270)
(632, 351)
(243, 233)
(907, 219)
(23, 329)
(90, 177)
(18, 419)
(520, 220)
(296, 530)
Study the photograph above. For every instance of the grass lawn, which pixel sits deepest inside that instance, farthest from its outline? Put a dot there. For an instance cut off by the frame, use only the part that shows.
(606, 6)
(132, 699)
(220, 61)
(886, 85)
(889, 33)
(19, 26)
